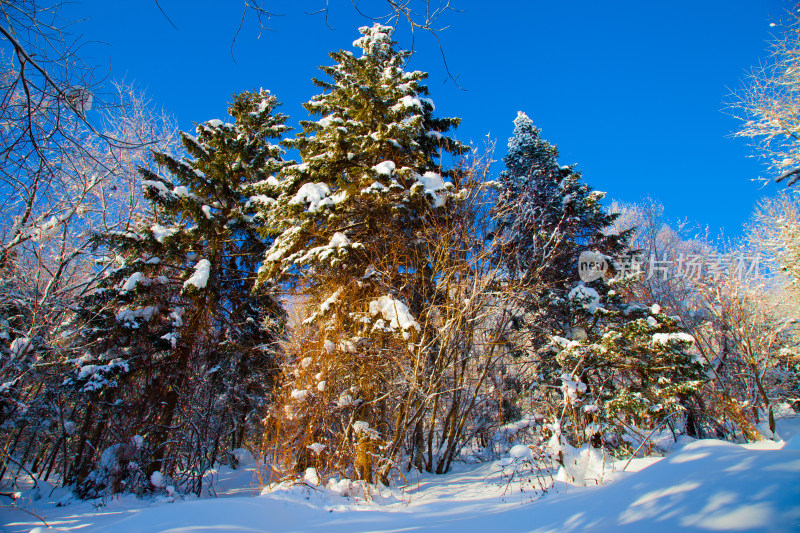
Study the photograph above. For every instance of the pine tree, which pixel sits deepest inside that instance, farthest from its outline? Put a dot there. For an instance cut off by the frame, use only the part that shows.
(177, 345)
(637, 373)
(353, 218)
(613, 363)
(545, 218)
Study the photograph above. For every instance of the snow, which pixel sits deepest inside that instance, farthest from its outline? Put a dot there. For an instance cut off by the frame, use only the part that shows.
(182, 191)
(520, 451)
(129, 315)
(314, 194)
(172, 338)
(177, 316)
(432, 184)
(330, 301)
(666, 338)
(572, 390)
(157, 185)
(19, 347)
(339, 240)
(374, 38)
(587, 297)
(199, 278)
(300, 395)
(395, 311)
(262, 199)
(702, 486)
(432, 181)
(132, 281)
(407, 101)
(157, 479)
(328, 120)
(316, 447)
(384, 168)
(160, 232)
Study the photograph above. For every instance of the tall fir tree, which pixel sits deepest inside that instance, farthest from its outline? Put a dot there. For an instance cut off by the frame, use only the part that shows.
(609, 362)
(176, 346)
(353, 218)
(546, 217)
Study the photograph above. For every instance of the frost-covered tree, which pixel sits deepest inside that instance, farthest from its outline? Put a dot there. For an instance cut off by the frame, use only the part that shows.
(175, 350)
(354, 220)
(545, 218)
(767, 104)
(48, 261)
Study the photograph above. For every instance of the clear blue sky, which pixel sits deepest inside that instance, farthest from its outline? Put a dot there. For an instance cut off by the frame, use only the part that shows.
(631, 91)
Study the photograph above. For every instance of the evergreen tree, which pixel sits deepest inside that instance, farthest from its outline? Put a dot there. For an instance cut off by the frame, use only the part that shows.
(635, 374)
(353, 218)
(614, 363)
(545, 218)
(177, 346)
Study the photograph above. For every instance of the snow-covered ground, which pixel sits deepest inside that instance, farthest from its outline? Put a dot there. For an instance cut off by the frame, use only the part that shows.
(703, 485)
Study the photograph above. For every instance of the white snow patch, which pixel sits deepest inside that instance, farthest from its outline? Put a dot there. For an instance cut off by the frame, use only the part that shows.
(314, 194)
(395, 311)
(161, 232)
(339, 240)
(587, 297)
(199, 278)
(19, 347)
(157, 479)
(316, 447)
(300, 394)
(384, 168)
(131, 282)
(666, 338)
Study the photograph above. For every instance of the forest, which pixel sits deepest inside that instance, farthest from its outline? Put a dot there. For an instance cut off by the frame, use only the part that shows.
(365, 298)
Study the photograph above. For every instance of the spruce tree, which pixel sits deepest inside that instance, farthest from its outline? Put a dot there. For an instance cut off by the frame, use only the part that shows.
(546, 216)
(176, 344)
(636, 374)
(353, 218)
(612, 363)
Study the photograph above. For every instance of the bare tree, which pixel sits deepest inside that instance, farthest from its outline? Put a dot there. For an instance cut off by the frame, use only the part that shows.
(419, 16)
(69, 154)
(769, 104)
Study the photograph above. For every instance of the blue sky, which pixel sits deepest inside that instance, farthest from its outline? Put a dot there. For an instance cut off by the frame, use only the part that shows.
(631, 91)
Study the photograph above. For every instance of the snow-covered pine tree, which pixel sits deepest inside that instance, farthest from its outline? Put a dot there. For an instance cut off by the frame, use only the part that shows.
(636, 374)
(176, 346)
(353, 218)
(615, 363)
(546, 216)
